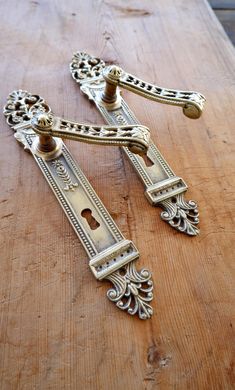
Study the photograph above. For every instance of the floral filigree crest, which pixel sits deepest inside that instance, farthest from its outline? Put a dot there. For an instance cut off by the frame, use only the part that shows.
(85, 66)
(181, 214)
(21, 107)
(132, 290)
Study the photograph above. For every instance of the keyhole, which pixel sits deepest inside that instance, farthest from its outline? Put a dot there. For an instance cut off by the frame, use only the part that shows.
(87, 214)
(147, 160)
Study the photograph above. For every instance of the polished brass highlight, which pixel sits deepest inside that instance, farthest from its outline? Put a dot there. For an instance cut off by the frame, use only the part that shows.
(162, 187)
(112, 257)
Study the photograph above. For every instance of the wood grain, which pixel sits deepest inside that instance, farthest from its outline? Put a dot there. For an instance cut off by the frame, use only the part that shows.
(57, 329)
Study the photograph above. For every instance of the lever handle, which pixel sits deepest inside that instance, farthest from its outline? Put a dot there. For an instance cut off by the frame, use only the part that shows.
(191, 102)
(135, 137)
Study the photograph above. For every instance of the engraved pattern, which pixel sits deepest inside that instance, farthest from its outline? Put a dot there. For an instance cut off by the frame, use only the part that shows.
(180, 214)
(120, 118)
(186, 214)
(132, 290)
(64, 175)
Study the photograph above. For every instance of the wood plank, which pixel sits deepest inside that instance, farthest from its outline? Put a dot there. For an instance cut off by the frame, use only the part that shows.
(57, 329)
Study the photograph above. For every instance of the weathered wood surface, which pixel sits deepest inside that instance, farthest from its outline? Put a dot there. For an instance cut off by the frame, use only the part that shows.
(58, 330)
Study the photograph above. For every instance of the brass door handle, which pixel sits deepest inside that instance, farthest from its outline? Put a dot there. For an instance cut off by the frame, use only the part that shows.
(191, 102)
(136, 138)
(163, 187)
(111, 255)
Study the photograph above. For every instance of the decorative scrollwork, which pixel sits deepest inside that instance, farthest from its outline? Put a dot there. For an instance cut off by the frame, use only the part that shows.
(181, 214)
(128, 131)
(21, 107)
(132, 290)
(84, 66)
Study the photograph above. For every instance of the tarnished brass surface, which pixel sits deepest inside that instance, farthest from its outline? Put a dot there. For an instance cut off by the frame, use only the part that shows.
(111, 256)
(191, 102)
(136, 138)
(162, 187)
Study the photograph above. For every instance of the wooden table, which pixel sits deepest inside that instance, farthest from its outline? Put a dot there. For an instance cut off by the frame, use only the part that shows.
(58, 331)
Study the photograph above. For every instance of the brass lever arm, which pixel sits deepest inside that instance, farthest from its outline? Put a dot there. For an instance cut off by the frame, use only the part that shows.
(135, 137)
(191, 102)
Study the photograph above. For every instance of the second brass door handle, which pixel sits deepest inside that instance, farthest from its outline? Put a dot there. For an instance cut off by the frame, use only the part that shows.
(85, 67)
(163, 187)
(191, 102)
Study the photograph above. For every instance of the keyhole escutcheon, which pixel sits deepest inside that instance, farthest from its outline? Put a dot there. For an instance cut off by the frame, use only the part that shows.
(87, 214)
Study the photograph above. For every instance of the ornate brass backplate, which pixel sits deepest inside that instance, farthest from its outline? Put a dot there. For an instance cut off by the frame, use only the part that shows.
(111, 256)
(162, 187)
